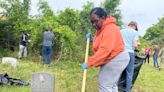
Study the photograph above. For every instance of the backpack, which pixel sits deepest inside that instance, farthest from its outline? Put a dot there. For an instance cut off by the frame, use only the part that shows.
(6, 80)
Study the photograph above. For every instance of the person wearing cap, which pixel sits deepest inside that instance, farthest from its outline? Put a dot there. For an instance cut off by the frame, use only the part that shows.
(108, 50)
(131, 42)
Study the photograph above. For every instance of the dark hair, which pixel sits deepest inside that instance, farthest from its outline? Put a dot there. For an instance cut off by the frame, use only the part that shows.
(24, 31)
(133, 23)
(99, 12)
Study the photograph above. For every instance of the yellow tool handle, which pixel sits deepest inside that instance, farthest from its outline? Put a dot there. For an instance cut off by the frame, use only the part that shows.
(85, 71)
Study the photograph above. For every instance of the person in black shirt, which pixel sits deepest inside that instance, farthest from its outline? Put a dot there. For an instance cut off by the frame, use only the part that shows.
(23, 44)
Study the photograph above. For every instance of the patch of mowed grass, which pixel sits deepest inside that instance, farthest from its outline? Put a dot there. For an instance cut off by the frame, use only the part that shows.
(68, 76)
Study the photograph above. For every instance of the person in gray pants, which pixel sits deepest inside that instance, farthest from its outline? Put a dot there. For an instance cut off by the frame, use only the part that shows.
(23, 44)
(108, 50)
(161, 55)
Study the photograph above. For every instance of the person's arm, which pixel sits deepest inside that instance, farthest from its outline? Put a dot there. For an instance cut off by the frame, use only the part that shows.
(105, 47)
(24, 37)
(150, 52)
(135, 44)
(135, 41)
(53, 38)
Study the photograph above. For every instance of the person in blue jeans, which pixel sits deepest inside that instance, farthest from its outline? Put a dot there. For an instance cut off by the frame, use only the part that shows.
(47, 45)
(155, 55)
(131, 42)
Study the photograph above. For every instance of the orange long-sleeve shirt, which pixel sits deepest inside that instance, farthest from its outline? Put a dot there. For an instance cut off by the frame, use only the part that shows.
(107, 43)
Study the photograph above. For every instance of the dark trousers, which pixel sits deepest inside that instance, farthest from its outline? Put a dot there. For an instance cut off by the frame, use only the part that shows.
(147, 58)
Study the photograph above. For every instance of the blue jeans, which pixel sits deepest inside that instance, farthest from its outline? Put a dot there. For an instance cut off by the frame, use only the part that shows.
(46, 51)
(129, 72)
(155, 58)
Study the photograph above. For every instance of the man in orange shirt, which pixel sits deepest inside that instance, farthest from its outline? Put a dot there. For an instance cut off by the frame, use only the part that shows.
(108, 50)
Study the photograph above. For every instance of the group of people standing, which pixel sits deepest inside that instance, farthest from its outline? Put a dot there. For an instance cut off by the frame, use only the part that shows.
(113, 50)
(47, 45)
(157, 54)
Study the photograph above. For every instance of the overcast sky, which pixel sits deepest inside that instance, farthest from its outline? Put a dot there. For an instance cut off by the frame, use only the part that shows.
(144, 12)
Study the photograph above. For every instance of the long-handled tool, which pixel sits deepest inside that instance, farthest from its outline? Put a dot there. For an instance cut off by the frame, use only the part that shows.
(85, 71)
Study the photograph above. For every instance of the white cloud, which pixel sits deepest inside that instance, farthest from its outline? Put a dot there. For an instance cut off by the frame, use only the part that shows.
(145, 12)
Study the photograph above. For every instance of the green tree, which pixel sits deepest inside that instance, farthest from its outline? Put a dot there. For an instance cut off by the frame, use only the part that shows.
(44, 8)
(16, 14)
(84, 20)
(155, 31)
(111, 7)
(69, 17)
(64, 28)
(85, 25)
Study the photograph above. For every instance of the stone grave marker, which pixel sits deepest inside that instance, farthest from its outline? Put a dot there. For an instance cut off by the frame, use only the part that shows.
(42, 82)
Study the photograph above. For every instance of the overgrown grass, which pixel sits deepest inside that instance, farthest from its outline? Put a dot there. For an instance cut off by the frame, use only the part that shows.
(150, 79)
(68, 77)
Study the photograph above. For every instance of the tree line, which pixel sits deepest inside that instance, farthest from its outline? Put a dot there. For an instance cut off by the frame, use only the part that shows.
(69, 27)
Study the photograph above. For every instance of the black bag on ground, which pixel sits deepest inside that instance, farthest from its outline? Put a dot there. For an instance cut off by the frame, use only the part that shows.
(6, 80)
(137, 65)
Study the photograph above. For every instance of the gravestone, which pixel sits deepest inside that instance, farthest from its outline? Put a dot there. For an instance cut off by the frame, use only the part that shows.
(42, 82)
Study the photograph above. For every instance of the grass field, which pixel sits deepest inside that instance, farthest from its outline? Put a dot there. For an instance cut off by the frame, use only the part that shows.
(68, 77)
